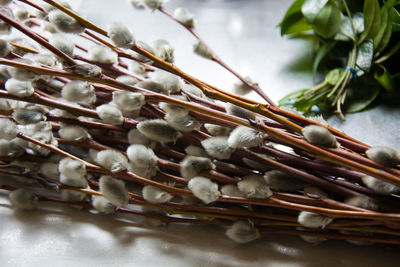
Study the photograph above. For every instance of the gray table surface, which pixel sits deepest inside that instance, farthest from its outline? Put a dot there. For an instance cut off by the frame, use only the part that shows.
(245, 35)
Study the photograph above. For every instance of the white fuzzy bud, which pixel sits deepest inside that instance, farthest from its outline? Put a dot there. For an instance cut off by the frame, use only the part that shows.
(199, 48)
(103, 205)
(86, 70)
(380, 186)
(241, 88)
(64, 22)
(8, 129)
(44, 58)
(310, 190)
(73, 133)
(102, 54)
(313, 220)
(318, 119)
(281, 181)
(110, 114)
(49, 170)
(23, 199)
(155, 195)
(79, 91)
(164, 50)
(363, 202)
(73, 196)
(10, 148)
(184, 16)
(47, 27)
(135, 66)
(192, 166)
(174, 109)
(158, 130)
(240, 112)
(62, 43)
(153, 4)
(257, 165)
(129, 101)
(171, 82)
(191, 89)
(384, 155)
(138, 4)
(114, 190)
(254, 186)
(121, 35)
(243, 136)
(20, 73)
(217, 147)
(152, 86)
(204, 189)
(127, 79)
(21, 13)
(5, 48)
(136, 137)
(142, 156)
(28, 116)
(195, 151)
(231, 190)
(146, 172)
(242, 232)
(4, 26)
(217, 130)
(72, 172)
(185, 123)
(318, 135)
(112, 160)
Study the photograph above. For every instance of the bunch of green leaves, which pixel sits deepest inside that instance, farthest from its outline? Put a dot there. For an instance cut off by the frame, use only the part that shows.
(358, 41)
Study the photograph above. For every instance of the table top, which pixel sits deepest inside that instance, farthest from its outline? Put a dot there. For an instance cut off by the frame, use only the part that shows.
(245, 35)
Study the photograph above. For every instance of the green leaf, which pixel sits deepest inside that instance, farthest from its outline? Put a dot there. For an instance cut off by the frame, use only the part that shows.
(391, 3)
(294, 24)
(361, 95)
(385, 20)
(311, 9)
(394, 14)
(328, 21)
(322, 51)
(386, 36)
(334, 76)
(289, 98)
(364, 57)
(294, 8)
(372, 19)
(384, 78)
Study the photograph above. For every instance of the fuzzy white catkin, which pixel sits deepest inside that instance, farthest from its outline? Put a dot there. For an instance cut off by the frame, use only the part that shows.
(192, 166)
(44, 58)
(380, 186)
(242, 232)
(126, 100)
(62, 43)
(86, 70)
(313, 220)
(155, 195)
(171, 82)
(23, 199)
(254, 186)
(64, 22)
(79, 91)
(112, 160)
(138, 4)
(200, 49)
(121, 35)
(384, 155)
(71, 195)
(45, 137)
(127, 79)
(184, 16)
(152, 86)
(21, 13)
(142, 156)
(191, 89)
(20, 73)
(114, 190)
(231, 190)
(49, 170)
(73, 133)
(217, 130)
(319, 135)
(72, 172)
(197, 151)
(146, 172)
(241, 88)
(110, 114)
(158, 130)
(10, 148)
(102, 54)
(363, 202)
(164, 50)
(240, 112)
(243, 136)
(4, 26)
(5, 48)
(103, 205)
(185, 123)
(204, 189)
(153, 4)
(217, 147)
(8, 129)
(28, 116)
(281, 181)
(136, 137)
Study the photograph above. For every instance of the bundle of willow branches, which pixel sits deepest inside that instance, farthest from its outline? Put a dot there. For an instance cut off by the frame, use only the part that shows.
(117, 128)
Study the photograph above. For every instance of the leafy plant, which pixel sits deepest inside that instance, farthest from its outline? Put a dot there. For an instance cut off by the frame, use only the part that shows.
(358, 40)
